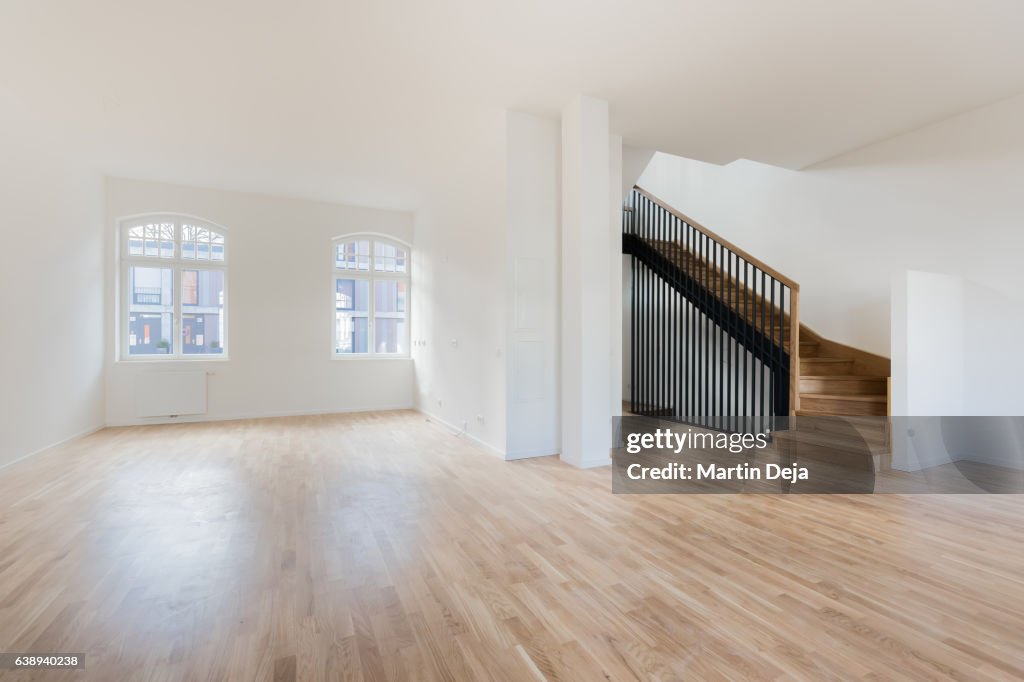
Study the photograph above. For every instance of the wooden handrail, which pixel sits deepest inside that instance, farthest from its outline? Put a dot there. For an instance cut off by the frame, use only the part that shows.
(724, 242)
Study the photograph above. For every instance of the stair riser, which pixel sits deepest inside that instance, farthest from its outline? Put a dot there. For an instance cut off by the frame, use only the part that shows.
(808, 350)
(872, 434)
(843, 386)
(839, 407)
(818, 368)
(862, 461)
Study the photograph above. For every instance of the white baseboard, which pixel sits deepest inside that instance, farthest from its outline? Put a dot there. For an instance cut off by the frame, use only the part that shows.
(234, 416)
(81, 434)
(482, 443)
(591, 463)
(527, 454)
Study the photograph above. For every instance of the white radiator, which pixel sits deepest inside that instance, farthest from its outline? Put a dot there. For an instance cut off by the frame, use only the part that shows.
(170, 394)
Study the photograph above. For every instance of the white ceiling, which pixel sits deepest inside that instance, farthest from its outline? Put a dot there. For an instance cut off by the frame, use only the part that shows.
(374, 102)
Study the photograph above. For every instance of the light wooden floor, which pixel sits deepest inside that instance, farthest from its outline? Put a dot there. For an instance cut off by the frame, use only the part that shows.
(381, 547)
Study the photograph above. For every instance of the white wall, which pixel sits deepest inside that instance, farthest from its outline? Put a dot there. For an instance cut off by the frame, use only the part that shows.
(928, 361)
(533, 214)
(945, 198)
(51, 288)
(955, 355)
(486, 340)
(955, 349)
(280, 302)
(993, 363)
(460, 320)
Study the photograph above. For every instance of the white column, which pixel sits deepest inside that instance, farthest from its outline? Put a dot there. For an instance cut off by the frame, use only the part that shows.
(586, 275)
(615, 261)
(533, 191)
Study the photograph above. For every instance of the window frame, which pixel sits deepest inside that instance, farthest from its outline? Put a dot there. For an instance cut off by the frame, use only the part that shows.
(177, 264)
(371, 275)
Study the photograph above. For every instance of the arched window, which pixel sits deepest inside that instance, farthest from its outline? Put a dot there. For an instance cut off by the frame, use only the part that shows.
(371, 296)
(173, 288)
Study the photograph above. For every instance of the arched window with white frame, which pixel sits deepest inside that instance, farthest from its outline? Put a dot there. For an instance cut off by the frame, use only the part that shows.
(371, 296)
(173, 288)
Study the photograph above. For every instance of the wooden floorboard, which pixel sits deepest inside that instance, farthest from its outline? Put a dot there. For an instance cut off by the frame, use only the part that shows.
(379, 546)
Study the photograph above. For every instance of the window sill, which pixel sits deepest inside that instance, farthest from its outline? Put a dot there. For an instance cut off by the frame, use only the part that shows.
(156, 359)
(366, 356)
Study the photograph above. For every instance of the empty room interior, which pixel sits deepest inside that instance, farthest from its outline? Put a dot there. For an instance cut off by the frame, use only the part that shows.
(511, 341)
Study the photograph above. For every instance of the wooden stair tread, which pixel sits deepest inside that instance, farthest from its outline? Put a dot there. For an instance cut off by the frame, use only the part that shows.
(728, 289)
(845, 396)
(812, 412)
(853, 442)
(842, 377)
(856, 420)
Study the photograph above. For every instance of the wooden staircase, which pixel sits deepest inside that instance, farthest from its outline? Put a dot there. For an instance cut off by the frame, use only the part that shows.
(838, 380)
(748, 302)
(834, 379)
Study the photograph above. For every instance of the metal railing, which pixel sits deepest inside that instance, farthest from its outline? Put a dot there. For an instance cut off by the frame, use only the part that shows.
(714, 331)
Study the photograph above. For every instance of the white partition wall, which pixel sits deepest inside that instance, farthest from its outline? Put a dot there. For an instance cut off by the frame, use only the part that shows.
(952, 355)
(533, 221)
(586, 281)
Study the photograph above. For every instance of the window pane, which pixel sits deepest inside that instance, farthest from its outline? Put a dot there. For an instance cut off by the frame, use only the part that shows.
(351, 315)
(217, 246)
(352, 255)
(351, 333)
(189, 287)
(389, 306)
(388, 257)
(199, 243)
(152, 240)
(389, 335)
(150, 311)
(167, 240)
(136, 237)
(352, 295)
(389, 297)
(155, 240)
(202, 312)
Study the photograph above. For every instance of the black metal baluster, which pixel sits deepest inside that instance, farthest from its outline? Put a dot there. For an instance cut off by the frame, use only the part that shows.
(762, 353)
(669, 295)
(746, 340)
(632, 337)
(783, 406)
(689, 323)
(632, 319)
(673, 356)
(655, 337)
(660, 317)
(649, 311)
(773, 374)
(645, 309)
(734, 275)
(721, 336)
(702, 342)
(713, 257)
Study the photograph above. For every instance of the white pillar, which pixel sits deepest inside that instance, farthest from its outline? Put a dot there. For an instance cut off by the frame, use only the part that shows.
(586, 275)
(615, 274)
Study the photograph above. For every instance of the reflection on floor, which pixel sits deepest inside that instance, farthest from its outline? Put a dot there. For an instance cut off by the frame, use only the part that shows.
(381, 547)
